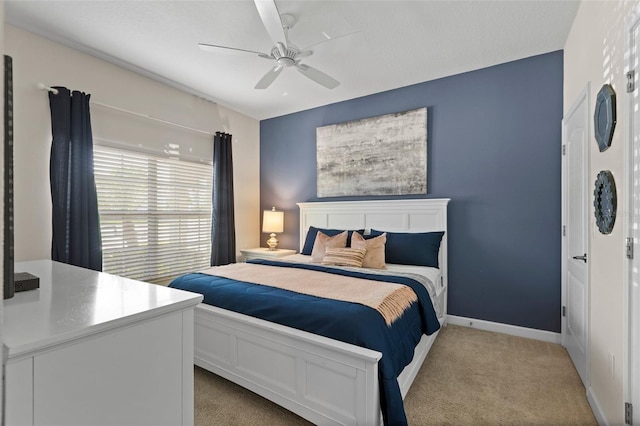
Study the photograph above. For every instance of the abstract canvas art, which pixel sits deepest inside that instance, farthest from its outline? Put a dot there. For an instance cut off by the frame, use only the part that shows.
(384, 155)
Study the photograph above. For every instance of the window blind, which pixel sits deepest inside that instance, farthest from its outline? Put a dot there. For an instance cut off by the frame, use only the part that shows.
(155, 213)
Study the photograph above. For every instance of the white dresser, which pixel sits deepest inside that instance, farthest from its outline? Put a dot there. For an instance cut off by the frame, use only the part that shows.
(89, 348)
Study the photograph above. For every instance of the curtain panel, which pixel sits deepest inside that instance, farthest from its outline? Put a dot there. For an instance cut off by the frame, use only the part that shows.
(76, 222)
(223, 230)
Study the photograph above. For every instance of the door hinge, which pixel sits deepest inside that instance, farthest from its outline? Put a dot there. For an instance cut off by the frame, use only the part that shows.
(628, 413)
(631, 85)
(564, 230)
(564, 311)
(629, 248)
(564, 150)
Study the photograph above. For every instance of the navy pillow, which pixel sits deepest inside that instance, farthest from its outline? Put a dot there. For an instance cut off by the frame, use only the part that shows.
(407, 248)
(310, 239)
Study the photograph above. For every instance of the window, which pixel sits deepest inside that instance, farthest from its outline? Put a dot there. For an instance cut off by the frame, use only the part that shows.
(155, 214)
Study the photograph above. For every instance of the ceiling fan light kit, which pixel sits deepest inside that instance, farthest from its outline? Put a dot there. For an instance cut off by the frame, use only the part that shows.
(286, 58)
(284, 53)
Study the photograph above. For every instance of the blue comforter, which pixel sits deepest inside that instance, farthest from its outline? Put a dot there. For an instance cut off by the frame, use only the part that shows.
(345, 321)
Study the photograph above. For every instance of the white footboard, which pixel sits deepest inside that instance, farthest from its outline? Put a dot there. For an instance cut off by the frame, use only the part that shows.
(320, 379)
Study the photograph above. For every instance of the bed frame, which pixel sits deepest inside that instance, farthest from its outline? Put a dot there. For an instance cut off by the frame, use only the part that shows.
(323, 380)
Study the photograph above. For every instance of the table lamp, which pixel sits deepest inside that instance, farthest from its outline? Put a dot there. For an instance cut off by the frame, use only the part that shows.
(272, 221)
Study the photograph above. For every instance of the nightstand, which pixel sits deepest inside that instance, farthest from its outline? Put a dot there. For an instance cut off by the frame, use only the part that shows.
(265, 253)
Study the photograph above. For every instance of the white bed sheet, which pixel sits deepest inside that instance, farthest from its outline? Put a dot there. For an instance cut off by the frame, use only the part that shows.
(432, 273)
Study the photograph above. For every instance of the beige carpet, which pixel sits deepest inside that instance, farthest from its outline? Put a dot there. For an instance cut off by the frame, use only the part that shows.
(470, 377)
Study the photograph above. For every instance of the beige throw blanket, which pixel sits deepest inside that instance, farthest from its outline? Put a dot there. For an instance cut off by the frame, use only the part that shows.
(389, 299)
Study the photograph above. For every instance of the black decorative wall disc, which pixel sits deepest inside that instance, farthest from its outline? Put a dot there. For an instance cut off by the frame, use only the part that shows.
(605, 201)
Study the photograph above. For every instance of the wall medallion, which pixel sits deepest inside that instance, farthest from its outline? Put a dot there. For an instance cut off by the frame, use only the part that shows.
(605, 201)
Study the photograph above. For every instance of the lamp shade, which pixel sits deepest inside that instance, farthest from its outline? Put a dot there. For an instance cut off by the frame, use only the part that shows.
(272, 221)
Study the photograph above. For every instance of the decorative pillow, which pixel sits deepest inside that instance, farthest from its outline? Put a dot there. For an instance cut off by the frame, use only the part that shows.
(374, 258)
(407, 248)
(344, 257)
(323, 242)
(310, 239)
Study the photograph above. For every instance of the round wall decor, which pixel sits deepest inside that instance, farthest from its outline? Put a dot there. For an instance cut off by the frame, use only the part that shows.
(604, 118)
(605, 201)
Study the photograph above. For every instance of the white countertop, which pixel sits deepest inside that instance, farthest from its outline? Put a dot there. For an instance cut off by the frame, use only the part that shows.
(73, 302)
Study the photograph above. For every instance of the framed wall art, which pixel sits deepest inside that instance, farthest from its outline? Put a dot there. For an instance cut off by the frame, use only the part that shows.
(384, 155)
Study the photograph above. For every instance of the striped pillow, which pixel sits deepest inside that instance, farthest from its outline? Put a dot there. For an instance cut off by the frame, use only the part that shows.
(344, 257)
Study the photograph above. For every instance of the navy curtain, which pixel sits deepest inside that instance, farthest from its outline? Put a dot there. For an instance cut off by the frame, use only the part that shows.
(76, 222)
(223, 229)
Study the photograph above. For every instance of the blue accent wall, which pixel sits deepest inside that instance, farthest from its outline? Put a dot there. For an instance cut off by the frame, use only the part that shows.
(494, 138)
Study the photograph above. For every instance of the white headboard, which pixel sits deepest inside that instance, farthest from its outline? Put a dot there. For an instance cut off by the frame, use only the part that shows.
(415, 215)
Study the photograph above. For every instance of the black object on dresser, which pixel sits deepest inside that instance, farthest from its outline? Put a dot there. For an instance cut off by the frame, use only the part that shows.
(7, 277)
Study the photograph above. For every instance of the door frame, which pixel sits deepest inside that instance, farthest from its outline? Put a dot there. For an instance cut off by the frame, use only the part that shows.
(631, 306)
(584, 96)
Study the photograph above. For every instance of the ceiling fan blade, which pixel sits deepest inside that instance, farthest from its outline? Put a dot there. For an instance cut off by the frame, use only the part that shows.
(216, 48)
(269, 77)
(271, 19)
(327, 38)
(318, 76)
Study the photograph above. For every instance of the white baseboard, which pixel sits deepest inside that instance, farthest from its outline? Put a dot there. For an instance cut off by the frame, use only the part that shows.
(514, 330)
(595, 407)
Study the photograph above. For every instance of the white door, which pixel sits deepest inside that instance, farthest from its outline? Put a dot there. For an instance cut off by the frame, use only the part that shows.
(634, 284)
(575, 138)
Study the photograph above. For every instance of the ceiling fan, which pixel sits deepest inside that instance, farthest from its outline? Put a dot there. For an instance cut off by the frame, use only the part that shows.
(284, 53)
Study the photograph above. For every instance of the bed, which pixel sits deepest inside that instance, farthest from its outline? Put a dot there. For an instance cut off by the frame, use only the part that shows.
(324, 380)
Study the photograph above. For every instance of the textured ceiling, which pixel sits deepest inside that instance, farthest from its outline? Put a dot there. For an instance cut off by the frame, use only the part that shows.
(398, 43)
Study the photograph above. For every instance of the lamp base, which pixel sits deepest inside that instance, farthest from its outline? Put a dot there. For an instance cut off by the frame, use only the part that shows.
(272, 242)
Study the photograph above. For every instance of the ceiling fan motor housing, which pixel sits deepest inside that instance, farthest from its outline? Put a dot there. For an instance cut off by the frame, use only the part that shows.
(286, 60)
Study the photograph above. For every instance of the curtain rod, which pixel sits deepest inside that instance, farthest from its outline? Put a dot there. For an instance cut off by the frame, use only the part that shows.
(42, 86)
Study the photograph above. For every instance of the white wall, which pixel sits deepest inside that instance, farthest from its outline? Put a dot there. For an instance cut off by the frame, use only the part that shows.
(38, 60)
(595, 52)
